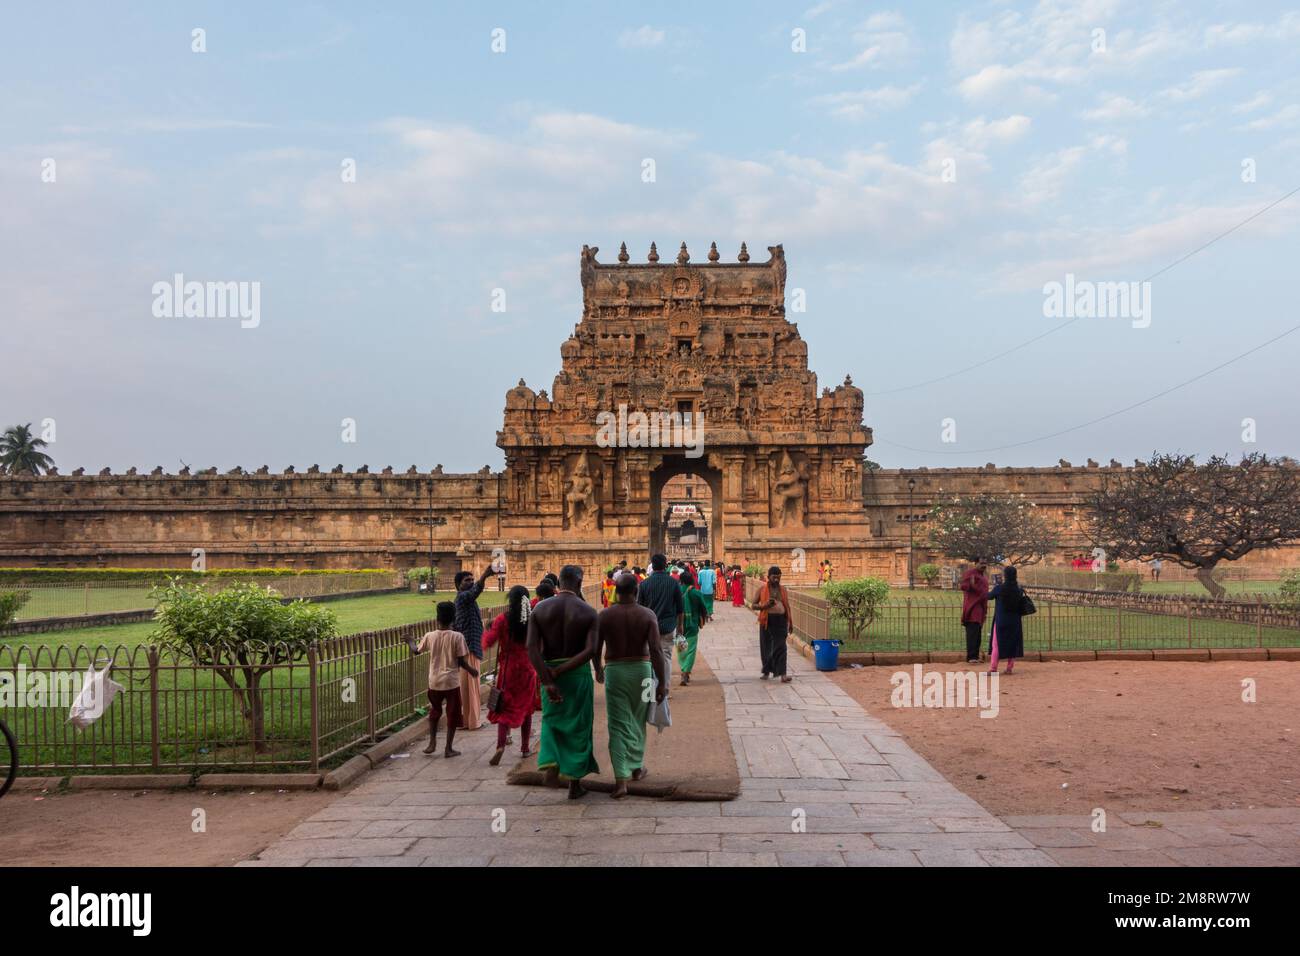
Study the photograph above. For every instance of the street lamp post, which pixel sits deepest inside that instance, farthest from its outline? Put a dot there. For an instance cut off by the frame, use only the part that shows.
(911, 486)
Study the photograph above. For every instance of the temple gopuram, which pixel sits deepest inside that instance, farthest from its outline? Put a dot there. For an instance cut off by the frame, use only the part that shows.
(710, 343)
(703, 347)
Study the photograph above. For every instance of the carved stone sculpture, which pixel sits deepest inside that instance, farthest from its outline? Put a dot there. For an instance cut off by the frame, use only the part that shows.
(789, 493)
(580, 508)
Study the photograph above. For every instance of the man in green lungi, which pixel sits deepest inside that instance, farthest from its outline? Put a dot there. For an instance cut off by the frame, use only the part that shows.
(561, 644)
(634, 663)
(695, 617)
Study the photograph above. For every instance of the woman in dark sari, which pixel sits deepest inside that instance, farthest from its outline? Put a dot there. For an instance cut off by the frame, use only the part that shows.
(1007, 639)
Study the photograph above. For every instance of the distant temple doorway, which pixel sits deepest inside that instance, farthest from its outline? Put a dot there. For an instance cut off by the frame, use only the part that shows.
(686, 509)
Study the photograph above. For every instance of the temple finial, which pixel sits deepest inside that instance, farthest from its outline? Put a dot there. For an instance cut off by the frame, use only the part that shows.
(713, 252)
(654, 254)
(744, 253)
(683, 256)
(622, 252)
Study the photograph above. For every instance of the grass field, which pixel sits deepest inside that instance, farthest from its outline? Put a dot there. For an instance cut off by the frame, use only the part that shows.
(933, 624)
(354, 615)
(1195, 590)
(199, 723)
(73, 601)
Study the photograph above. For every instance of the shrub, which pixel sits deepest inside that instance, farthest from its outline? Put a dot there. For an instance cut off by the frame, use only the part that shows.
(10, 603)
(240, 633)
(856, 601)
(929, 573)
(161, 575)
(423, 575)
(755, 571)
(1289, 590)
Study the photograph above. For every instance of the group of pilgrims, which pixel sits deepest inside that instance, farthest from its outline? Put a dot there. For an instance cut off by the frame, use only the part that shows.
(553, 647)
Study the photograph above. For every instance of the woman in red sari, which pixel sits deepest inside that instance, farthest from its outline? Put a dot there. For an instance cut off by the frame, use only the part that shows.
(515, 676)
(737, 586)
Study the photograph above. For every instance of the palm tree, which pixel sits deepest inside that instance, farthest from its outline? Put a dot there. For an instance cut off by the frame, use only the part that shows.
(20, 452)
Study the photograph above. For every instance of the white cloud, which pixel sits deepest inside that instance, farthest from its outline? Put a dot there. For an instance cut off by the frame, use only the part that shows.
(1286, 117)
(883, 39)
(1286, 27)
(1256, 102)
(642, 38)
(859, 104)
(1200, 83)
(1137, 249)
(1116, 109)
(981, 133)
(1035, 55)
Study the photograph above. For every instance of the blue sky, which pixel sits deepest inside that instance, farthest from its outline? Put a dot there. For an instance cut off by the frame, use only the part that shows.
(479, 170)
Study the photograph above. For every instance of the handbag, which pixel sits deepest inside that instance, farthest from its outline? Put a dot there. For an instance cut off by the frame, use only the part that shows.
(1027, 606)
(496, 696)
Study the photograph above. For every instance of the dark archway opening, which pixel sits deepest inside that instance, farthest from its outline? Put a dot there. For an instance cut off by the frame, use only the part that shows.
(686, 509)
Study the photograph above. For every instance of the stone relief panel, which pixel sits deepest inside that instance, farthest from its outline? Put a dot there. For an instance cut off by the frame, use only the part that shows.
(581, 506)
(789, 479)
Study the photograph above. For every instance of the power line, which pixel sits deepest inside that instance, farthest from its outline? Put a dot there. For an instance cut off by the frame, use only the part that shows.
(1052, 331)
(1108, 415)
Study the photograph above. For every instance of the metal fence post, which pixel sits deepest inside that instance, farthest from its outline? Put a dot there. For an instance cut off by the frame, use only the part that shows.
(370, 688)
(155, 751)
(1119, 627)
(1187, 604)
(909, 625)
(410, 667)
(1049, 625)
(1259, 620)
(314, 703)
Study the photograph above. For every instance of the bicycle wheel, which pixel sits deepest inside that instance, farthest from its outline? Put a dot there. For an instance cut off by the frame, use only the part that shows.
(8, 757)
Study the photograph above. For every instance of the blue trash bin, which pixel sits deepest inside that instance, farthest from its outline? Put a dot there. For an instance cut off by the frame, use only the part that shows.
(826, 654)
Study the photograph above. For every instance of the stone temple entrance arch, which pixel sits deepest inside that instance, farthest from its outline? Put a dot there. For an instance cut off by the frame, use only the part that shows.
(669, 468)
(703, 342)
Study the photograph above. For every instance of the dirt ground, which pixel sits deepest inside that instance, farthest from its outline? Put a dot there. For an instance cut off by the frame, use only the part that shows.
(1126, 736)
(147, 828)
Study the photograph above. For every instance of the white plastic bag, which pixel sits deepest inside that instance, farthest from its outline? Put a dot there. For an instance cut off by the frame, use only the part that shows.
(97, 692)
(657, 714)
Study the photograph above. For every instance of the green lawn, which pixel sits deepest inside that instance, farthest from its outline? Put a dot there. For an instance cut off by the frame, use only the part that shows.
(1194, 587)
(354, 615)
(75, 601)
(933, 624)
(198, 723)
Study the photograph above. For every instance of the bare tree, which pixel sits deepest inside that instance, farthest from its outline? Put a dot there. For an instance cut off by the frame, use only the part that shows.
(991, 527)
(1198, 515)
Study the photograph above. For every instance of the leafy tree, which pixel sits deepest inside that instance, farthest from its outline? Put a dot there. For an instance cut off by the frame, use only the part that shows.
(1289, 591)
(991, 528)
(1198, 515)
(240, 633)
(856, 601)
(20, 452)
(10, 603)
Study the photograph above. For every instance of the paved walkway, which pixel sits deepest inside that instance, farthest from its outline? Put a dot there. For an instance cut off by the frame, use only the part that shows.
(823, 783)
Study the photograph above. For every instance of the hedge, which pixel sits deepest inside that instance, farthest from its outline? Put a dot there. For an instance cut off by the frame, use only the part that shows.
(146, 575)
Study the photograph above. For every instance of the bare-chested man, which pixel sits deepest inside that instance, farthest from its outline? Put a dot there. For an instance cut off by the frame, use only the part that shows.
(629, 635)
(561, 643)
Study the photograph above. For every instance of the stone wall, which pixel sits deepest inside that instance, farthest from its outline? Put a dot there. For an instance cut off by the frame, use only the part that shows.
(381, 520)
(302, 520)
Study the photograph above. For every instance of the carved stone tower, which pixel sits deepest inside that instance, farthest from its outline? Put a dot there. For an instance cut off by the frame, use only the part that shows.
(709, 343)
